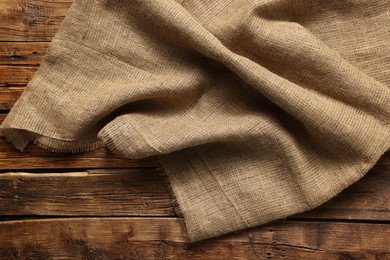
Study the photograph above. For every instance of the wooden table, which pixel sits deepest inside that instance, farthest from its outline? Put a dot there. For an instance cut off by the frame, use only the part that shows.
(96, 205)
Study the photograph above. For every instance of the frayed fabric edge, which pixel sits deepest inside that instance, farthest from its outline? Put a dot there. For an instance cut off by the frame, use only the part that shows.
(175, 204)
(20, 138)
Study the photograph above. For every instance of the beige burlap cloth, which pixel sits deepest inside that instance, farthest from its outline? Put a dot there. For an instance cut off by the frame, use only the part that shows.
(255, 110)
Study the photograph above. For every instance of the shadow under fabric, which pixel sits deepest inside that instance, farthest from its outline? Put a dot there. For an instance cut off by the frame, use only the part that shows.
(256, 110)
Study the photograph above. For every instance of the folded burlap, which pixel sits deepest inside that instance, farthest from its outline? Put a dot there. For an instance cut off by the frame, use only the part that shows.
(255, 110)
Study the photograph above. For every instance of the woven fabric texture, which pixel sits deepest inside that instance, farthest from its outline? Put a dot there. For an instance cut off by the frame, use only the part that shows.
(255, 109)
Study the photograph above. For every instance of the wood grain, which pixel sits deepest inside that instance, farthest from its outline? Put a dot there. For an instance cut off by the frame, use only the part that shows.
(16, 75)
(29, 20)
(34, 157)
(22, 53)
(161, 238)
(130, 192)
(8, 97)
(136, 192)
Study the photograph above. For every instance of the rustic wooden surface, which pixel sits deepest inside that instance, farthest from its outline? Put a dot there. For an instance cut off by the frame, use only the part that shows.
(96, 205)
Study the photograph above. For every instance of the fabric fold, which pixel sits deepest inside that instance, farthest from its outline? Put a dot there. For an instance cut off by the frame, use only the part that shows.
(254, 110)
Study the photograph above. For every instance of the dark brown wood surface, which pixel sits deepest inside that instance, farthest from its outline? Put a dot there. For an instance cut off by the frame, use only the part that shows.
(97, 205)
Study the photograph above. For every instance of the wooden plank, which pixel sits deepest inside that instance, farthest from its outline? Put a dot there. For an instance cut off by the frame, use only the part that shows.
(22, 53)
(161, 238)
(16, 75)
(34, 157)
(8, 97)
(31, 20)
(129, 192)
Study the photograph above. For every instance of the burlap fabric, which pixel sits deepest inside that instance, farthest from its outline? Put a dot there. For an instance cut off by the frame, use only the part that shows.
(255, 110)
